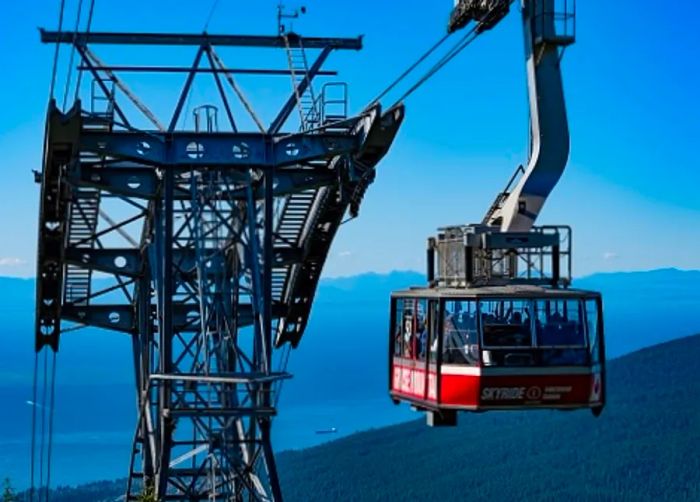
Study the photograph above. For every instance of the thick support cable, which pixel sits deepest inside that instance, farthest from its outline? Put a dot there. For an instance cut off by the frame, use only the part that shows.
(47, 415)
(409, 70)
(464, 42)
(87, 31)
(211, 15)
(72, 56)
(470, 36)
(33, 440)
(51, 410)
(43, 424)
(55, 54)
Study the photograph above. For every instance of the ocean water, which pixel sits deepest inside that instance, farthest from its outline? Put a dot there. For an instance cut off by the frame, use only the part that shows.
(297, 426)
(80, 457)
(340, 374)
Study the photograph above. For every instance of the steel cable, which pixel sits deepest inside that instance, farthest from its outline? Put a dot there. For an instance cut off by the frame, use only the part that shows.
(410, 69)
(43, 423)
(211, 14)
(463, 43)
(33, 440)
(87, 32)
(72, 55)
(55, 56)
(51, 408)
(456, 49)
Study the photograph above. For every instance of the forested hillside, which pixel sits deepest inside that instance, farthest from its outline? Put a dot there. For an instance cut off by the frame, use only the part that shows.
(644, 447)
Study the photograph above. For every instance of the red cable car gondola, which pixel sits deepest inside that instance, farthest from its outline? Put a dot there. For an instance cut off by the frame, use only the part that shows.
(496, 348)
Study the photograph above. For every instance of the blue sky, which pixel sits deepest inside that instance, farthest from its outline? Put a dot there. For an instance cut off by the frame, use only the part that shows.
(631, 81)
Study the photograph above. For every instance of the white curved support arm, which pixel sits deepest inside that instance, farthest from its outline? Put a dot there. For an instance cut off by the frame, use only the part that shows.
(549, 150)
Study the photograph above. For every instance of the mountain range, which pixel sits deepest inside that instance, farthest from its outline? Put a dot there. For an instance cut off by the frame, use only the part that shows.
(339, 369)
(642, 448)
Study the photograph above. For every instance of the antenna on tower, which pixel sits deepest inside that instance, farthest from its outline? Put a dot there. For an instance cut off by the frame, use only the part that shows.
(287, 14)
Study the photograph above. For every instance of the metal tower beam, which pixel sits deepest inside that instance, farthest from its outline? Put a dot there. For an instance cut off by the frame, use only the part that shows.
(275, 42)
(183, 69)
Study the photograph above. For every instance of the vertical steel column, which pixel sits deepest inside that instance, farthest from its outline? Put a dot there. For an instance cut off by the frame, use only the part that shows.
(265, 424)
(142, 342)
(166, 332)
(556, 265)
(430, 259)
(469, 265)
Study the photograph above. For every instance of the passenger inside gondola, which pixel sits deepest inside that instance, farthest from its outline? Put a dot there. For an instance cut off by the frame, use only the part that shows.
(411, 331)
(560, 332)
(408, 340)
(460, 341)
(503, 325)
(421, 339)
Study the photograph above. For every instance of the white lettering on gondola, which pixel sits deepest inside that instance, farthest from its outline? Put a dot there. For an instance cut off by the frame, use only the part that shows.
(413, 382)
(502, 393)
(432, 386)
(552, 393)
(534, 393)
(556, 393)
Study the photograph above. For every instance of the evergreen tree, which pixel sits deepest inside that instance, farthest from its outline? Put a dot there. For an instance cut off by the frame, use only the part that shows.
(148, 494)
(8, 493)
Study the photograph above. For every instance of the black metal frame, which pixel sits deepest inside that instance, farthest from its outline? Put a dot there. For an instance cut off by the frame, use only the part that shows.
(212, 256)
(480, 255)
(193, 39)
(557, 14)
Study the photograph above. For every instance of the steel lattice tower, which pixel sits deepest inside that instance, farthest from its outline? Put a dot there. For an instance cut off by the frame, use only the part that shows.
(204, 246)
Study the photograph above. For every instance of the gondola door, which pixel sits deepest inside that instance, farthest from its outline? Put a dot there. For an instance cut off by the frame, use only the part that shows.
(424, 362)
(410, 356)
(431, 350)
